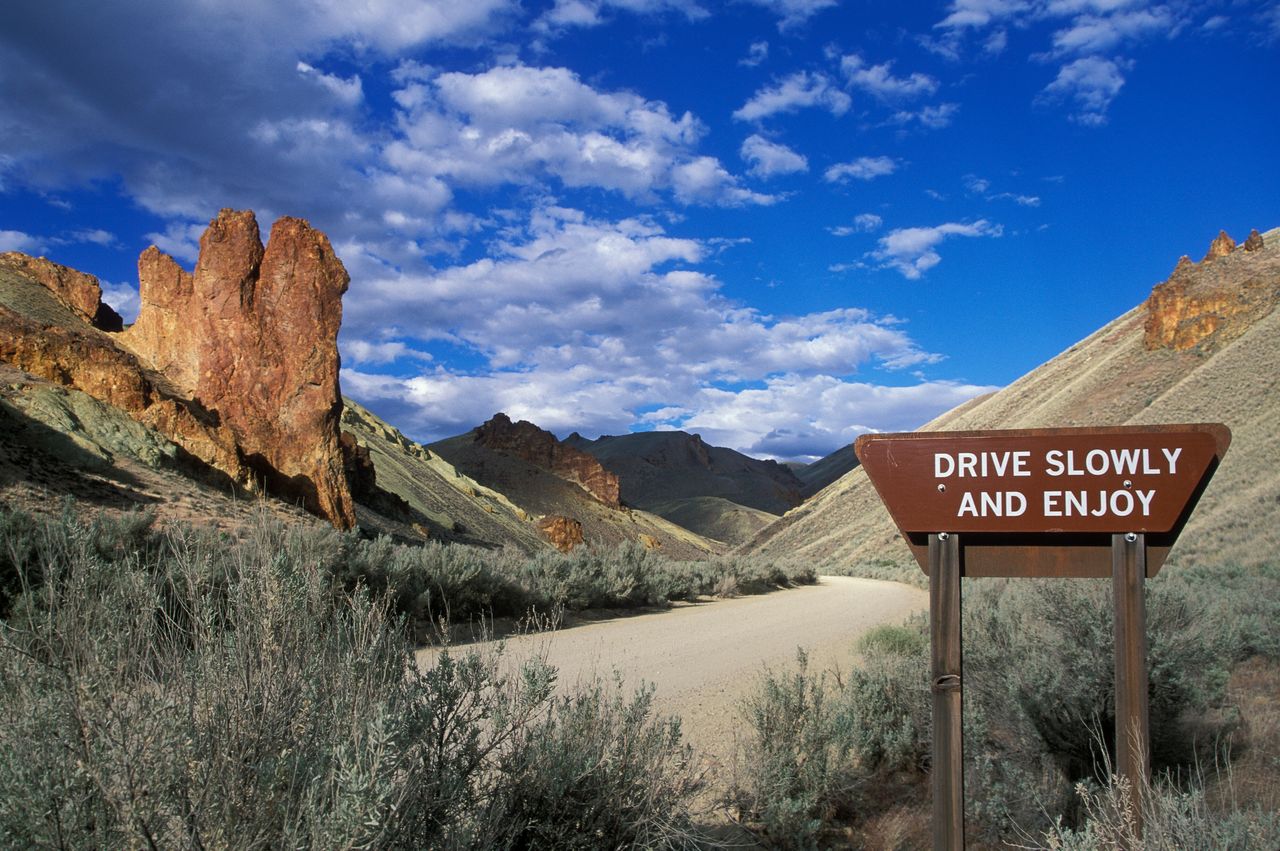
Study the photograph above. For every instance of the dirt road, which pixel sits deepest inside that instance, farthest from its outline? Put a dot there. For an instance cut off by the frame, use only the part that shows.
(704, 658)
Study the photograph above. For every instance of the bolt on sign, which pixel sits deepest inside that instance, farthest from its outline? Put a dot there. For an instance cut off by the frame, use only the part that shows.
(1078, 502)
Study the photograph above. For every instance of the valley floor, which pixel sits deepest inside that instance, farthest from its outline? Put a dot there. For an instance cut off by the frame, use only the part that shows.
(703, 659)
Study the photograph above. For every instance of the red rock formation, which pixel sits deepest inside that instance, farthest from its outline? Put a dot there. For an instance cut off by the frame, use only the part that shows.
(1209, 304)
(90, 362)
(537, 446)
(79, 292)
(1221, 246)
(162, 333)
(252, 335)
(1254, 241)
(564, 533)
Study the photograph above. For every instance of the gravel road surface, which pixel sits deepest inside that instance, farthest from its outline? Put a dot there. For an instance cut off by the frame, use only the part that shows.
(704, 658)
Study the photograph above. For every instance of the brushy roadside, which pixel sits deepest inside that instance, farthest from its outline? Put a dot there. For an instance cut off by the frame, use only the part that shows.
(828, 749)
(427, 584)
(176, 689)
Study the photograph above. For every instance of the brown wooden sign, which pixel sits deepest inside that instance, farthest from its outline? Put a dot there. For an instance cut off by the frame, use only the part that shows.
(1088, 502)
(1043, 502)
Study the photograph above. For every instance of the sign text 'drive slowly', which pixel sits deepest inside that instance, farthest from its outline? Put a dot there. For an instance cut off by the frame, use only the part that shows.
(1105, 480)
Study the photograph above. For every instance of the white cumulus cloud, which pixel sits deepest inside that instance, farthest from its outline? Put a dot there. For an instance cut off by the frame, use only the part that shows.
(586, 324)
(800, 90)
(878, 80)
(1091, 82)
(913, 251)
(16, 240)
(522, 125)
(768, 159)
(863, 168)
(793, 13)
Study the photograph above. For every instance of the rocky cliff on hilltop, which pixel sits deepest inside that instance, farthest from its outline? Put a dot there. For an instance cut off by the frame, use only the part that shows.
(237, 363)
(1208, 304)
(540, 447)
(657, 467)
(78, 292)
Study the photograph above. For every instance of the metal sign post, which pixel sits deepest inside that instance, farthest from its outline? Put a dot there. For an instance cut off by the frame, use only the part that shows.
(1085, 502)
(946, 678)
(1133, 718)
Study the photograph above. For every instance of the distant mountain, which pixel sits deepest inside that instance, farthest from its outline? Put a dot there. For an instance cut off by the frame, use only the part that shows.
(566, 488)
(1205, 347)
(660, 466)
(678, 475)
(824, 471)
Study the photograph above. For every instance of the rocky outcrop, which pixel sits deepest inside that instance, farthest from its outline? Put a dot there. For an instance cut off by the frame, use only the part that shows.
(539, 447)
(1208, 304)
(564, 533)
(658, 469)
(1221, 246)
(79, 292)
(252, 335)
(237, 363)
(91, 363)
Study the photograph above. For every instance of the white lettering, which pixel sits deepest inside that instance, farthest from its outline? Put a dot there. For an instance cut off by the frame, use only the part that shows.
(1020, 463)
(938, 462)
(1077, 502)
(1098, 469)
(968, 461)
(1119, 497)
(1051, 503)
(1145, 498)
(1009, 509)
(1125, 460)
(967, 506)
(1054, 459)
(1173, 459)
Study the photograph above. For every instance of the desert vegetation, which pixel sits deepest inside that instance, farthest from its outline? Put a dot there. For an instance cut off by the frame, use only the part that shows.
(166, 689)
(835, 748)
(176, 688)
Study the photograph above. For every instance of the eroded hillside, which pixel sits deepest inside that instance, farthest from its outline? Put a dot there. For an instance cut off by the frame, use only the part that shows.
(1205, 347)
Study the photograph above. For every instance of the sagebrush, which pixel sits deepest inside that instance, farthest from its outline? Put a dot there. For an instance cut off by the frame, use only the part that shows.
(176, 689)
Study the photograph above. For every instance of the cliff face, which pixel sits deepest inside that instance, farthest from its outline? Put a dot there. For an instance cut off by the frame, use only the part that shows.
(252, 335)
(236, 362)
(1207, 305)
(78, 292)
(529, 443)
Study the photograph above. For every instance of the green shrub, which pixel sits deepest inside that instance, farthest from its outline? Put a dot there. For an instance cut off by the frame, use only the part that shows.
(199, 692)
(887, 699)
(601, 762)
(1174, 818)
(798, 754)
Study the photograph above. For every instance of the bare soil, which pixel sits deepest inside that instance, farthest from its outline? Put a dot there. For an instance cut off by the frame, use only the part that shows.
(704, 658)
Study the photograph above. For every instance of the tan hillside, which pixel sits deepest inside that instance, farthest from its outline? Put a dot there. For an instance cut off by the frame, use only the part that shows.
(715, 517)
(1204, 348)
(440, 502)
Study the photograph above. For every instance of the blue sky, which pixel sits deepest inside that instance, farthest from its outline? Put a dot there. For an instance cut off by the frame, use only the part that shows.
(779, 223)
